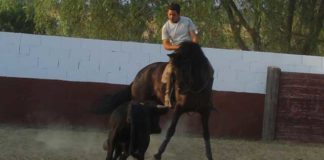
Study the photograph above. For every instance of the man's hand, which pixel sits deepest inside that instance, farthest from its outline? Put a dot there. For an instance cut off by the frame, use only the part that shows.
(168, 46)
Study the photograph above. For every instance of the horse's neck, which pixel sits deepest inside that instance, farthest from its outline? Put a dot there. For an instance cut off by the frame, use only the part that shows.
(203, 74)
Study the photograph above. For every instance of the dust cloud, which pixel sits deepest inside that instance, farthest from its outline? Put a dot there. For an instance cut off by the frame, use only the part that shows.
(57, 143)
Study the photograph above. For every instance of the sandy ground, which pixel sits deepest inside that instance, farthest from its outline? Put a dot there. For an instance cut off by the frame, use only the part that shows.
(55, 143)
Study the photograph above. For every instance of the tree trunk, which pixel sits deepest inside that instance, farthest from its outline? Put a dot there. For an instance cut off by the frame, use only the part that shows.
(254, 35)
(290, 19)
(234, 26)
(311, 40)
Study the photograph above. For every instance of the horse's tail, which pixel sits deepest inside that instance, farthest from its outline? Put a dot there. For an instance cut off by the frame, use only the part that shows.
(108, 103)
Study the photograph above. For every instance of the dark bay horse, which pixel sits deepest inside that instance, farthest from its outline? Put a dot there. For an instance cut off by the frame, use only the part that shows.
(192, 89)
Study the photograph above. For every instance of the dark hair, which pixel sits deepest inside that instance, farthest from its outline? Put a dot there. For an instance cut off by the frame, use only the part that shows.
(174, 7)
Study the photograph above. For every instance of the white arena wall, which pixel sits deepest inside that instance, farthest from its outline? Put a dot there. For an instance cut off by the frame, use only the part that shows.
(117, 62)
(47, 80)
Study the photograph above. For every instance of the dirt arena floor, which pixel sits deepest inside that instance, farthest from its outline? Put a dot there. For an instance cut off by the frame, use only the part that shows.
(56, 143)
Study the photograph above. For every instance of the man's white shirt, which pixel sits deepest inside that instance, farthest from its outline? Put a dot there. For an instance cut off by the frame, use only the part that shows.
(178, 32)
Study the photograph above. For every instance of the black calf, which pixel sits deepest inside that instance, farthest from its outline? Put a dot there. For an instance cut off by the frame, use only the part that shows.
(130, 127)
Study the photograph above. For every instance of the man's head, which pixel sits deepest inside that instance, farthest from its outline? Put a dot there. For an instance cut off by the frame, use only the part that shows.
(174, 12)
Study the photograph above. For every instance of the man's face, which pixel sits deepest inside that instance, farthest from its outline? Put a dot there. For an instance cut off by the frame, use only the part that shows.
(173, 16)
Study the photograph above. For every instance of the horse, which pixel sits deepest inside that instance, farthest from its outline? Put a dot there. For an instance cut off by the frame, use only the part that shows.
(130, 127)
(192, 89)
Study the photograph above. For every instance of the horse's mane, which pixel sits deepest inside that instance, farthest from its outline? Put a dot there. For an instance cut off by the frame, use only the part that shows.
(193, 52)
(201, 69)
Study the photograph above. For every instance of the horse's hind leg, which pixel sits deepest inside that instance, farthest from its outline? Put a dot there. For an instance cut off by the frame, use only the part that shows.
(169, 134)
(204, 120)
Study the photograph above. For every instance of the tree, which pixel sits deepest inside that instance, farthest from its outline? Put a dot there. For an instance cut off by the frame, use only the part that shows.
(46, 17)
(292, 26)
(16, 16)
(294, 29)
(315, 27)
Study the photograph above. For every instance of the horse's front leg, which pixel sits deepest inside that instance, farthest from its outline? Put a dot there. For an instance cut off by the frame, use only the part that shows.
(110, 149)
(169, 134)
(205, 120)
(110, 144)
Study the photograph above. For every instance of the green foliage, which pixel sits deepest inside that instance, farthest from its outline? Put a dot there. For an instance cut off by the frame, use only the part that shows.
(16, 16)
(46, 17)
(255, 24)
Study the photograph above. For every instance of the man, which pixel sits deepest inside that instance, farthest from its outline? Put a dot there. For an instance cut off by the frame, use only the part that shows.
(175, 31)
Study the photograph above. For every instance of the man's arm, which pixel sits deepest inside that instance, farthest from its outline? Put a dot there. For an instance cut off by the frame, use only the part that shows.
(194, 36)
(168, 46)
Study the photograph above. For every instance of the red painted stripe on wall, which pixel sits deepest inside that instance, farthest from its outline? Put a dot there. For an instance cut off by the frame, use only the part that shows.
(37, 102)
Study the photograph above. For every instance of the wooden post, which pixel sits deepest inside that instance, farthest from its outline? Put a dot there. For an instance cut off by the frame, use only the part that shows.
(270, 104)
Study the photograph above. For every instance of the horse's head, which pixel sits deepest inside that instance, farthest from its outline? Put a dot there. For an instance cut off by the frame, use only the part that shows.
(185, 62)
(181, 68)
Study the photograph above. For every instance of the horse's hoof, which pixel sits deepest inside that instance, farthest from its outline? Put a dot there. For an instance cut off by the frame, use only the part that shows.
(157, 156)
